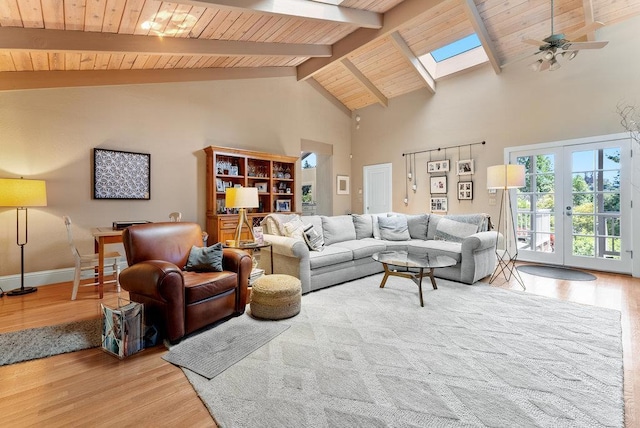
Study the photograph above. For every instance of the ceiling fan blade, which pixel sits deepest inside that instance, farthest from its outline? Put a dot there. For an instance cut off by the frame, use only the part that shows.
(545, 66)
(583, 45)
(534, 42)
(584, 30)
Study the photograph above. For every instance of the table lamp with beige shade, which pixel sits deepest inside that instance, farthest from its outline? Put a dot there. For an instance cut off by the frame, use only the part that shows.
(21, 193)
(242, 198)
(505, 178)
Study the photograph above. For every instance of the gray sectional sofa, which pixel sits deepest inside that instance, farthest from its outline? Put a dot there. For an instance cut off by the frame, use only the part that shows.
(350, 240)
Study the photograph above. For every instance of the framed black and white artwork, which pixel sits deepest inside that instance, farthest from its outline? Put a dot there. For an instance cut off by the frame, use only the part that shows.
(439, 205)
(465, 190)
(439, 184)
(121, 175)
(465, 167)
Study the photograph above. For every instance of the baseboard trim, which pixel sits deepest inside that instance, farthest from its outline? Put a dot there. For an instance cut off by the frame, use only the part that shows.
(36, 279)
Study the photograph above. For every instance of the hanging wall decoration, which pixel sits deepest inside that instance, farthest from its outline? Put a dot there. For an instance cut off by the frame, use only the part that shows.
(465, 190)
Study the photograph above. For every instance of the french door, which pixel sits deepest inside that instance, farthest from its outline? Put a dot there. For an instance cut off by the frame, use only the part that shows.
(574, 208)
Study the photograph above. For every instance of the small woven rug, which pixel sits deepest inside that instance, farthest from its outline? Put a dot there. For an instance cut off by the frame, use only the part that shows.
(557, 272)
(40, 342)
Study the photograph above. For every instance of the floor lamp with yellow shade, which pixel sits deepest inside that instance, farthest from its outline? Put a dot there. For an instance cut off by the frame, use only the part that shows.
(242, 198)
(21, 193)
(505, 178)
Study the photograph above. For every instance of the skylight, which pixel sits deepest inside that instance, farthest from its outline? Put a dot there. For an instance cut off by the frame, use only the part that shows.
(456, 48)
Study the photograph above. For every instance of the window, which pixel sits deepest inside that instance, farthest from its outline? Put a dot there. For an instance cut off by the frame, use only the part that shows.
(456, 48)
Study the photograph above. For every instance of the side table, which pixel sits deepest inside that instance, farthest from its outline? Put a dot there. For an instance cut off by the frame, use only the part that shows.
(252, 248)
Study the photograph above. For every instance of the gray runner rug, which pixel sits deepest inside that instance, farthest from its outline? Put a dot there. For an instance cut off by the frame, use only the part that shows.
(474, 356)
(46, 341)
(210, 352)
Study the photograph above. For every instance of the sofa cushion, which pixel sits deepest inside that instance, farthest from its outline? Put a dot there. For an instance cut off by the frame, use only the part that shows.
(418, 224)
(207, 259)
(468, 225)
(362, 248)
(437, 248)
(394, 228)
(337, 229)
(331, 255)
(363, 224)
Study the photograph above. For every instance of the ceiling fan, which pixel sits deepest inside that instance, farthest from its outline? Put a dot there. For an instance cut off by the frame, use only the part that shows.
(559, 45)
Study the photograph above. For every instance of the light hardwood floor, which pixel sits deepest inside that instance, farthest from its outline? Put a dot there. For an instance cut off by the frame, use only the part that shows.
(92, 388)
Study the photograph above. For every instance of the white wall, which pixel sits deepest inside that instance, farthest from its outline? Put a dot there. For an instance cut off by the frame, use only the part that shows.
(49, 134)
(517, 107)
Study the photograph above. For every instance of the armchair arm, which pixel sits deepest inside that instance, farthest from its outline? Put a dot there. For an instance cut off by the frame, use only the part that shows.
(240, 262)
(155, 279)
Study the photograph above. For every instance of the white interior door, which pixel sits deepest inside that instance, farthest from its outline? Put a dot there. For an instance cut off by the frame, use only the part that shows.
(574, 209)
(377, 188)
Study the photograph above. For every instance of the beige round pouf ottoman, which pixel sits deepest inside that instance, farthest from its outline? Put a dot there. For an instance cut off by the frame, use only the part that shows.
(275, 297)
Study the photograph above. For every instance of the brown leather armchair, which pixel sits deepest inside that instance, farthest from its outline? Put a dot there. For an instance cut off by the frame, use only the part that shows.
(178, 302)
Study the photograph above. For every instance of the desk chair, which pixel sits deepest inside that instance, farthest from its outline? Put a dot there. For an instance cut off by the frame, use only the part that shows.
(90, 262)
(177, 217)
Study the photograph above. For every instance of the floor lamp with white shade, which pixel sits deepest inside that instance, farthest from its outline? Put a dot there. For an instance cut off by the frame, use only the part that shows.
(505, 178)
(21, 193)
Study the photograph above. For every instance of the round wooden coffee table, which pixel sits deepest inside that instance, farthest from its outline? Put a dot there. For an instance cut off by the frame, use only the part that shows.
(407, 260)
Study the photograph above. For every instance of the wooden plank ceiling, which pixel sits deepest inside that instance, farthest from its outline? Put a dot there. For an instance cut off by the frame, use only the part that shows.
(359, 53)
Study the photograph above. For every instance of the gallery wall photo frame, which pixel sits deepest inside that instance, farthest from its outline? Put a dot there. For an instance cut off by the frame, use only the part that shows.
(465, 167)
(439, 185)
(121, 175)
(434, 167)
(342, 184)
(465, 190)
(439, 205)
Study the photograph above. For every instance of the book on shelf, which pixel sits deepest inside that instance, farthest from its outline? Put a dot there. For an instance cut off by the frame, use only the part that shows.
(122, 328)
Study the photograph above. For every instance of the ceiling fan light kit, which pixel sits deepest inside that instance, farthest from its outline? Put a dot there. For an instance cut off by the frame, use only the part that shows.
(550, 46)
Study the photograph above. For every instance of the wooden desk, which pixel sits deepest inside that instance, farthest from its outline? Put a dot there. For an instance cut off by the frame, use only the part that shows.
(104, 235)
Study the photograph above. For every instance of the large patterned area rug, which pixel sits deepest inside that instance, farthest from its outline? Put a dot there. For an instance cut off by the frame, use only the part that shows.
(33, 343)
(473, 356)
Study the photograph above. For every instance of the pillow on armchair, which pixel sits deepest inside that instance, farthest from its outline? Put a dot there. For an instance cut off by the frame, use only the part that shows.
(205, 259)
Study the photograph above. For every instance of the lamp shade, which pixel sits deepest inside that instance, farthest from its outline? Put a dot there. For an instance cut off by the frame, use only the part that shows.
(505, 176)
(18, 192)
(241, 197)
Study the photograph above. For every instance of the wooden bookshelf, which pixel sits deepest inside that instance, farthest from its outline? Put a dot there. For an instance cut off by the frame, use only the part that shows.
(273, 175)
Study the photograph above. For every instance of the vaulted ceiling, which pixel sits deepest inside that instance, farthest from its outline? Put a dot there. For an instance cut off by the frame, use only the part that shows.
(359, 53)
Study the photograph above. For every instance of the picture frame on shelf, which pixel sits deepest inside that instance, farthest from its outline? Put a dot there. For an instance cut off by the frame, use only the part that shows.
(262, 187)
(439, 205)
(438, 166)
(465, 190)
(283, 205)
(219, 185)
(465, 167)
(342, 184)
(439, 184)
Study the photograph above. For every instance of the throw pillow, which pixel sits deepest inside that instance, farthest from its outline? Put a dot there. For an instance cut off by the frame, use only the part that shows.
(313, 239)
(363, 224)
(394, 228)
(205, 259)
(294, 228)
(454, 231)
(418, 225)
(338, 228)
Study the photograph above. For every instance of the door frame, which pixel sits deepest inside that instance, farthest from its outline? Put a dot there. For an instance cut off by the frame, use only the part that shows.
(634, 173)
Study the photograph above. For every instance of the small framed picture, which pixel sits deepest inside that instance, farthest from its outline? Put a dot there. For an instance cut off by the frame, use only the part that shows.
(465, 190)
(262, 187)
(438, 166)
(283, 205)
(465, 167)
(439, 184)
(342, 185)
(439, 205)
(219, 185)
